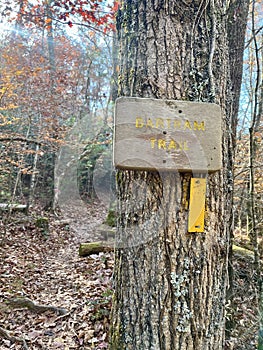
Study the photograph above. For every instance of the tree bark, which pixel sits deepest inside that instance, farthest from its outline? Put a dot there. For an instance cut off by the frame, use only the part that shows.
(236, 29)
(170, 286)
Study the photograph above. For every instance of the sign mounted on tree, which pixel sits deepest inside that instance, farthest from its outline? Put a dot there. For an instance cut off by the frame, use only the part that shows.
(153, 134)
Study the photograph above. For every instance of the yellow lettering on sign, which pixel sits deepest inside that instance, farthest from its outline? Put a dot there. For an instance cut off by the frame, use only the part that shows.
(149, 123)
(159, 123)
(169, 144)
(139, 122)
(180, 144)
(187, 125)
(176, 124)
(172, 145)
(183, 145)
(161, 144)
(198, 126)
(153, 142)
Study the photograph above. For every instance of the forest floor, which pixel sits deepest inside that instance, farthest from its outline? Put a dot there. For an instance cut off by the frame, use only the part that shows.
(46, 268)
(43, 265)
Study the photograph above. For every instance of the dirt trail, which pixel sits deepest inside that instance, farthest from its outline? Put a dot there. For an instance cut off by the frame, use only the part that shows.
(46, 269)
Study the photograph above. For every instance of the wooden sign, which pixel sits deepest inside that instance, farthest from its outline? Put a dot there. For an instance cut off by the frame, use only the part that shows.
(152, 134)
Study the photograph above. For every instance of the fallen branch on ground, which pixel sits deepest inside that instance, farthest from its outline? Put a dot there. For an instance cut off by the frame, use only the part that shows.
(243, 251)
(24, 302)
(17, 207)
(87, 249)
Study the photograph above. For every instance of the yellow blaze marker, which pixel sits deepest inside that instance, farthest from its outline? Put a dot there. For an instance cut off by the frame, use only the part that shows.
(197, 205)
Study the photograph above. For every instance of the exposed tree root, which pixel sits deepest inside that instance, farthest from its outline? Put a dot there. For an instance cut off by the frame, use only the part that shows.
(8, 335)
(24, 302)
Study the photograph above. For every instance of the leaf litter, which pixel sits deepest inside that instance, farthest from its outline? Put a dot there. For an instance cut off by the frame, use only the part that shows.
(47, 269)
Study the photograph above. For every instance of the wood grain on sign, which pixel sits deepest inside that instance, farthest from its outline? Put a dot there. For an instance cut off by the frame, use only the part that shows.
(153, 134)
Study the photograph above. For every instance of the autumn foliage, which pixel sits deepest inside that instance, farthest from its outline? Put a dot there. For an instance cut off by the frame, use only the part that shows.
(94, 13)
(49, 80)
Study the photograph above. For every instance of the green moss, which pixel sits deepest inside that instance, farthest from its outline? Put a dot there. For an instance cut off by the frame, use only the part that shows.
(43, 224)
(111, 218)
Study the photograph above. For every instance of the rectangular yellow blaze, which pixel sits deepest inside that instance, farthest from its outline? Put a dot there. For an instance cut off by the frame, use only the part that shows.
(197, 205)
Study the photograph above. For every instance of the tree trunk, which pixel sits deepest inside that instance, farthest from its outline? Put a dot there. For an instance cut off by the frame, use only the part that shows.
(236, 28)
(170, 286)
(50, 195)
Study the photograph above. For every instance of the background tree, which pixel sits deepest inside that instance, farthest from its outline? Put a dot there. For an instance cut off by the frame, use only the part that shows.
(54, 79)
(170, 285)
(248, 167)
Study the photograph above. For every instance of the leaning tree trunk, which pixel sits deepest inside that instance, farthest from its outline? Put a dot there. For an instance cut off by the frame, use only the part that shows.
(170, 286)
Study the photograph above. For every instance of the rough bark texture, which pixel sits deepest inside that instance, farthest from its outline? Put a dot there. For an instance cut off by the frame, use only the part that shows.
(236, 28)
(170, 286)
(237, 23)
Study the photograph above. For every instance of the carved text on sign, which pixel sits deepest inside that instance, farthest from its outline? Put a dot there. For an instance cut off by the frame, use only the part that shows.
(167, 135)
(175, 124)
